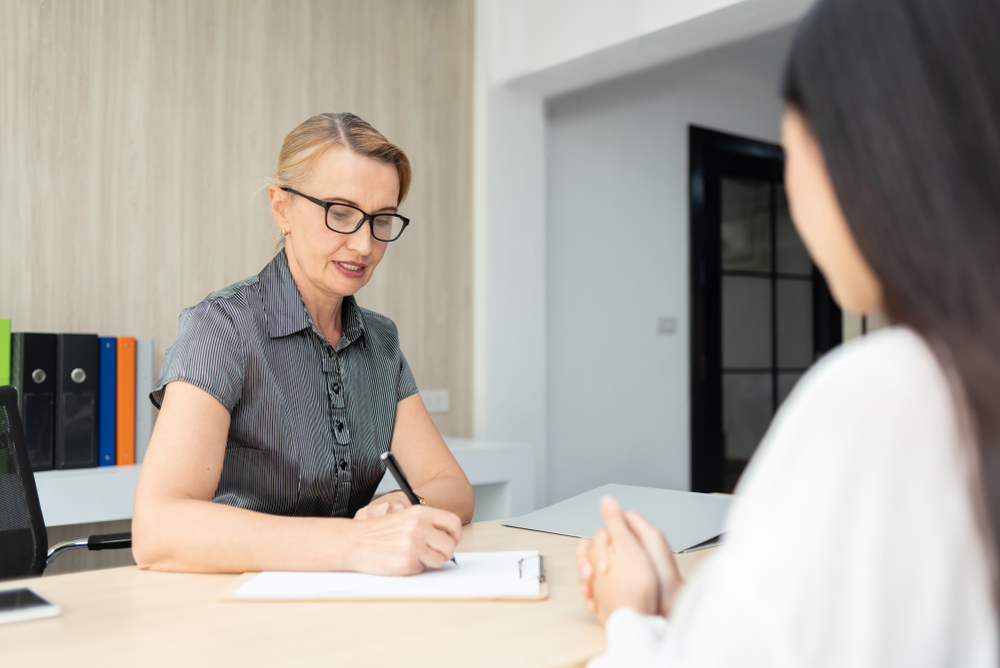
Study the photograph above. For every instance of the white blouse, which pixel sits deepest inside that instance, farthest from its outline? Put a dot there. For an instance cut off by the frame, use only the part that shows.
(852, 541)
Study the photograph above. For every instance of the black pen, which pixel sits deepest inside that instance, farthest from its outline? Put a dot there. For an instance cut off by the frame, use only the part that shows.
(404, 483)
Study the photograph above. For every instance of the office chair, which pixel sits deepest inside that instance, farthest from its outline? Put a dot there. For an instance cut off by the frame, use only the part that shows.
(23, 538)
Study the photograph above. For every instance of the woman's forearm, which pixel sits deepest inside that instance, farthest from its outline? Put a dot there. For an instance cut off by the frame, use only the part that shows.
(453, 493)
(203, 537)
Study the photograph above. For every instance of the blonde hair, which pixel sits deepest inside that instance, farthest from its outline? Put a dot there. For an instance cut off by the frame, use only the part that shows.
(305, 144)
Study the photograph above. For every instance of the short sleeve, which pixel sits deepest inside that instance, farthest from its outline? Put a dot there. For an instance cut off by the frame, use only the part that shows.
(208, 353)
(407, 386)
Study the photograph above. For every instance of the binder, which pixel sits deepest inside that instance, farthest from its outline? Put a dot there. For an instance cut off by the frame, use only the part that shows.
(4, 351)
(107, 402)
(126, 401)
(76, 400)
(143, 387)
(33, 373)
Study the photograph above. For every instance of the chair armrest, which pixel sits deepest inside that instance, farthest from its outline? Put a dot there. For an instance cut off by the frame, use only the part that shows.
(108, 541)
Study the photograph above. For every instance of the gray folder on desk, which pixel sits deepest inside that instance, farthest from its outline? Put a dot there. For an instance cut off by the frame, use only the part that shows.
(688, 519)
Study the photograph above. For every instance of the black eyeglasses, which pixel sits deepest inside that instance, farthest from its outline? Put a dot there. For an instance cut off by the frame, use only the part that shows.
(346, 219)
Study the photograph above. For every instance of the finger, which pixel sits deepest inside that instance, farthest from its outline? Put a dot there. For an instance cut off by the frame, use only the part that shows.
(446, 521)
(614, 521)
(437, 549)
(650, 537)
(664, 563)
(583, 564)
(656, 546)
(441, 542)
(599, 550)
(394, 507)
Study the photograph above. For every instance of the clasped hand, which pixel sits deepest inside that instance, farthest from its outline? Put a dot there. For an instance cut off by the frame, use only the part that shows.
(627, 564)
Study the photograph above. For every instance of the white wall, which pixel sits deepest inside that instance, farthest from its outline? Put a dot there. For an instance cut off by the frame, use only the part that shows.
(617, 258)
(509, 273)
(551, 47)
(527, 51)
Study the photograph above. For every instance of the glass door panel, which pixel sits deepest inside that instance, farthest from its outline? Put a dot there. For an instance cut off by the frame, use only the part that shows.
(746, 225)
(746, 323)
(795, 323)
(793, 258)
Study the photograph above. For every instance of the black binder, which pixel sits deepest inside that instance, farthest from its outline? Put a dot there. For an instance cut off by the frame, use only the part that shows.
(33, 373)
(76, 401)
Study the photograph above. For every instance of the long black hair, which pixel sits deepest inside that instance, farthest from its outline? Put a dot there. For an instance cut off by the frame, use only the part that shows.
(903, 97)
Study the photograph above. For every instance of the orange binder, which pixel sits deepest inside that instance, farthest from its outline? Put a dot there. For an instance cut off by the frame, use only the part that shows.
(126, 401)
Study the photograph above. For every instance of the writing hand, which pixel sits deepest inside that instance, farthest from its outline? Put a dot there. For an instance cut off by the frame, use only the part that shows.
(406, 542)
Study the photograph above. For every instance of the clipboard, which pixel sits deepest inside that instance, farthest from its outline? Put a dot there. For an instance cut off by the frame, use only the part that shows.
(479, 576)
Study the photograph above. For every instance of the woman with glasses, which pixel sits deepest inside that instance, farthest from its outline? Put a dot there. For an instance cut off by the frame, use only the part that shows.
(280, 393)
(864, 532)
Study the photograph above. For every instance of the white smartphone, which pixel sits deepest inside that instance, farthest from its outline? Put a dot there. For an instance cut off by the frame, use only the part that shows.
(18, 605)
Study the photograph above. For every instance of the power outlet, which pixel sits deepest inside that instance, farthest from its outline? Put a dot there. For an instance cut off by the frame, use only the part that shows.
(436, 401)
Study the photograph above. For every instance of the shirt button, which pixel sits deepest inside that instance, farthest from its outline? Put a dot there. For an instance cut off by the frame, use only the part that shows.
(343, 463)
(336, 387)
(340, 425)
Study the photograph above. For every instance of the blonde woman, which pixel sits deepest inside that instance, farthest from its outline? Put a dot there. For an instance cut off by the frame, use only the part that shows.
(280, 393)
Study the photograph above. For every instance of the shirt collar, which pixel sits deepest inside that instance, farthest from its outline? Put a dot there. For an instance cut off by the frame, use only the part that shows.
(286, 312)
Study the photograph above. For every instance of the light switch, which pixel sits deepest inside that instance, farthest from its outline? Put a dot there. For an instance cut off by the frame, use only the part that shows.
(666, 325)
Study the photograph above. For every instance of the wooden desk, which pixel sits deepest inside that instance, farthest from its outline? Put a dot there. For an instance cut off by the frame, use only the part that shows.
(124, 616)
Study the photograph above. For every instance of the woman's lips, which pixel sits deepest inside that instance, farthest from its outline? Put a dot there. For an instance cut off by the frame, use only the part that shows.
(350, 269)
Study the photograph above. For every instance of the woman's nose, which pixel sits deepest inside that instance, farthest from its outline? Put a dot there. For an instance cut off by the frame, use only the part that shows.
(361, 240)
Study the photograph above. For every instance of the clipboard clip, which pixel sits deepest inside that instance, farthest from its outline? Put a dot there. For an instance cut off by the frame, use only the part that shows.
(530, 568)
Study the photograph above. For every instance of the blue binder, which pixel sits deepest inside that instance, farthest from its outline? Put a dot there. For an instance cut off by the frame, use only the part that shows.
(107, 402)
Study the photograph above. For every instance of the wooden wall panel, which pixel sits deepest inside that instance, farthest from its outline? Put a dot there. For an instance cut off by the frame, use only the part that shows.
(135, 136)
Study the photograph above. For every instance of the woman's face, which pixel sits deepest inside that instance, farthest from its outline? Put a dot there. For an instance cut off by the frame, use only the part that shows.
(335, 265)
(821, 222)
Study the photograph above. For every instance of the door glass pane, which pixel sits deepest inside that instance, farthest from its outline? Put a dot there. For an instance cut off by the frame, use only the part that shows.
(746, 412)
(795, 323)
(746, 322)
(746, 225)
(786, 381)
(792, 257)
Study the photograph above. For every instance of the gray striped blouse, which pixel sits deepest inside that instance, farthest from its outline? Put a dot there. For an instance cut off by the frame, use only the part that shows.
(308, 421)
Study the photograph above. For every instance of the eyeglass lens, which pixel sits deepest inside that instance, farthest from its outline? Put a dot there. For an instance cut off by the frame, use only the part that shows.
(345, 219)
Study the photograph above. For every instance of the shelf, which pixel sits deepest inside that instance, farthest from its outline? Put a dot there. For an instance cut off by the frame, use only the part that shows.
(82, 496)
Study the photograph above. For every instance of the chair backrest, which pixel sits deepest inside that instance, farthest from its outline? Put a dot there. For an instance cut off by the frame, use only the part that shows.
(23, 540)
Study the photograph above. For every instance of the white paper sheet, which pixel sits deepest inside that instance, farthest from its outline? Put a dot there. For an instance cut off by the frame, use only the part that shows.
(477, 575)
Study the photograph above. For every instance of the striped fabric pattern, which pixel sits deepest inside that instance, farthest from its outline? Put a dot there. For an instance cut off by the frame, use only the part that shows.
(308, 421)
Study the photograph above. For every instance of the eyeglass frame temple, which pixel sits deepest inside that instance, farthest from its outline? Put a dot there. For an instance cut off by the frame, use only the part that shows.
(366, 217)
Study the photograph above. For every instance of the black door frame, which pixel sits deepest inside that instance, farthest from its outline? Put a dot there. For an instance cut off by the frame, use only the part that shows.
(711, 153)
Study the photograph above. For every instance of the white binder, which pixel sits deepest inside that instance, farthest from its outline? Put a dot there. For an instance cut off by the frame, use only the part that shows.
(143, 386)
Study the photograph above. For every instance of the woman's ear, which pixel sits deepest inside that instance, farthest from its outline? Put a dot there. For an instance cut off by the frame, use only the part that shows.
(279, 207)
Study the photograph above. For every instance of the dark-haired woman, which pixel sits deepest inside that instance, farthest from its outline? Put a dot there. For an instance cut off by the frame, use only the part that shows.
(864, 531)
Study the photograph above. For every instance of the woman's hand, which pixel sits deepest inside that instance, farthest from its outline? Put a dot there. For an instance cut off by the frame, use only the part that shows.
(384, 505)
(628, 564)
(656, 546)
(406, 542)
